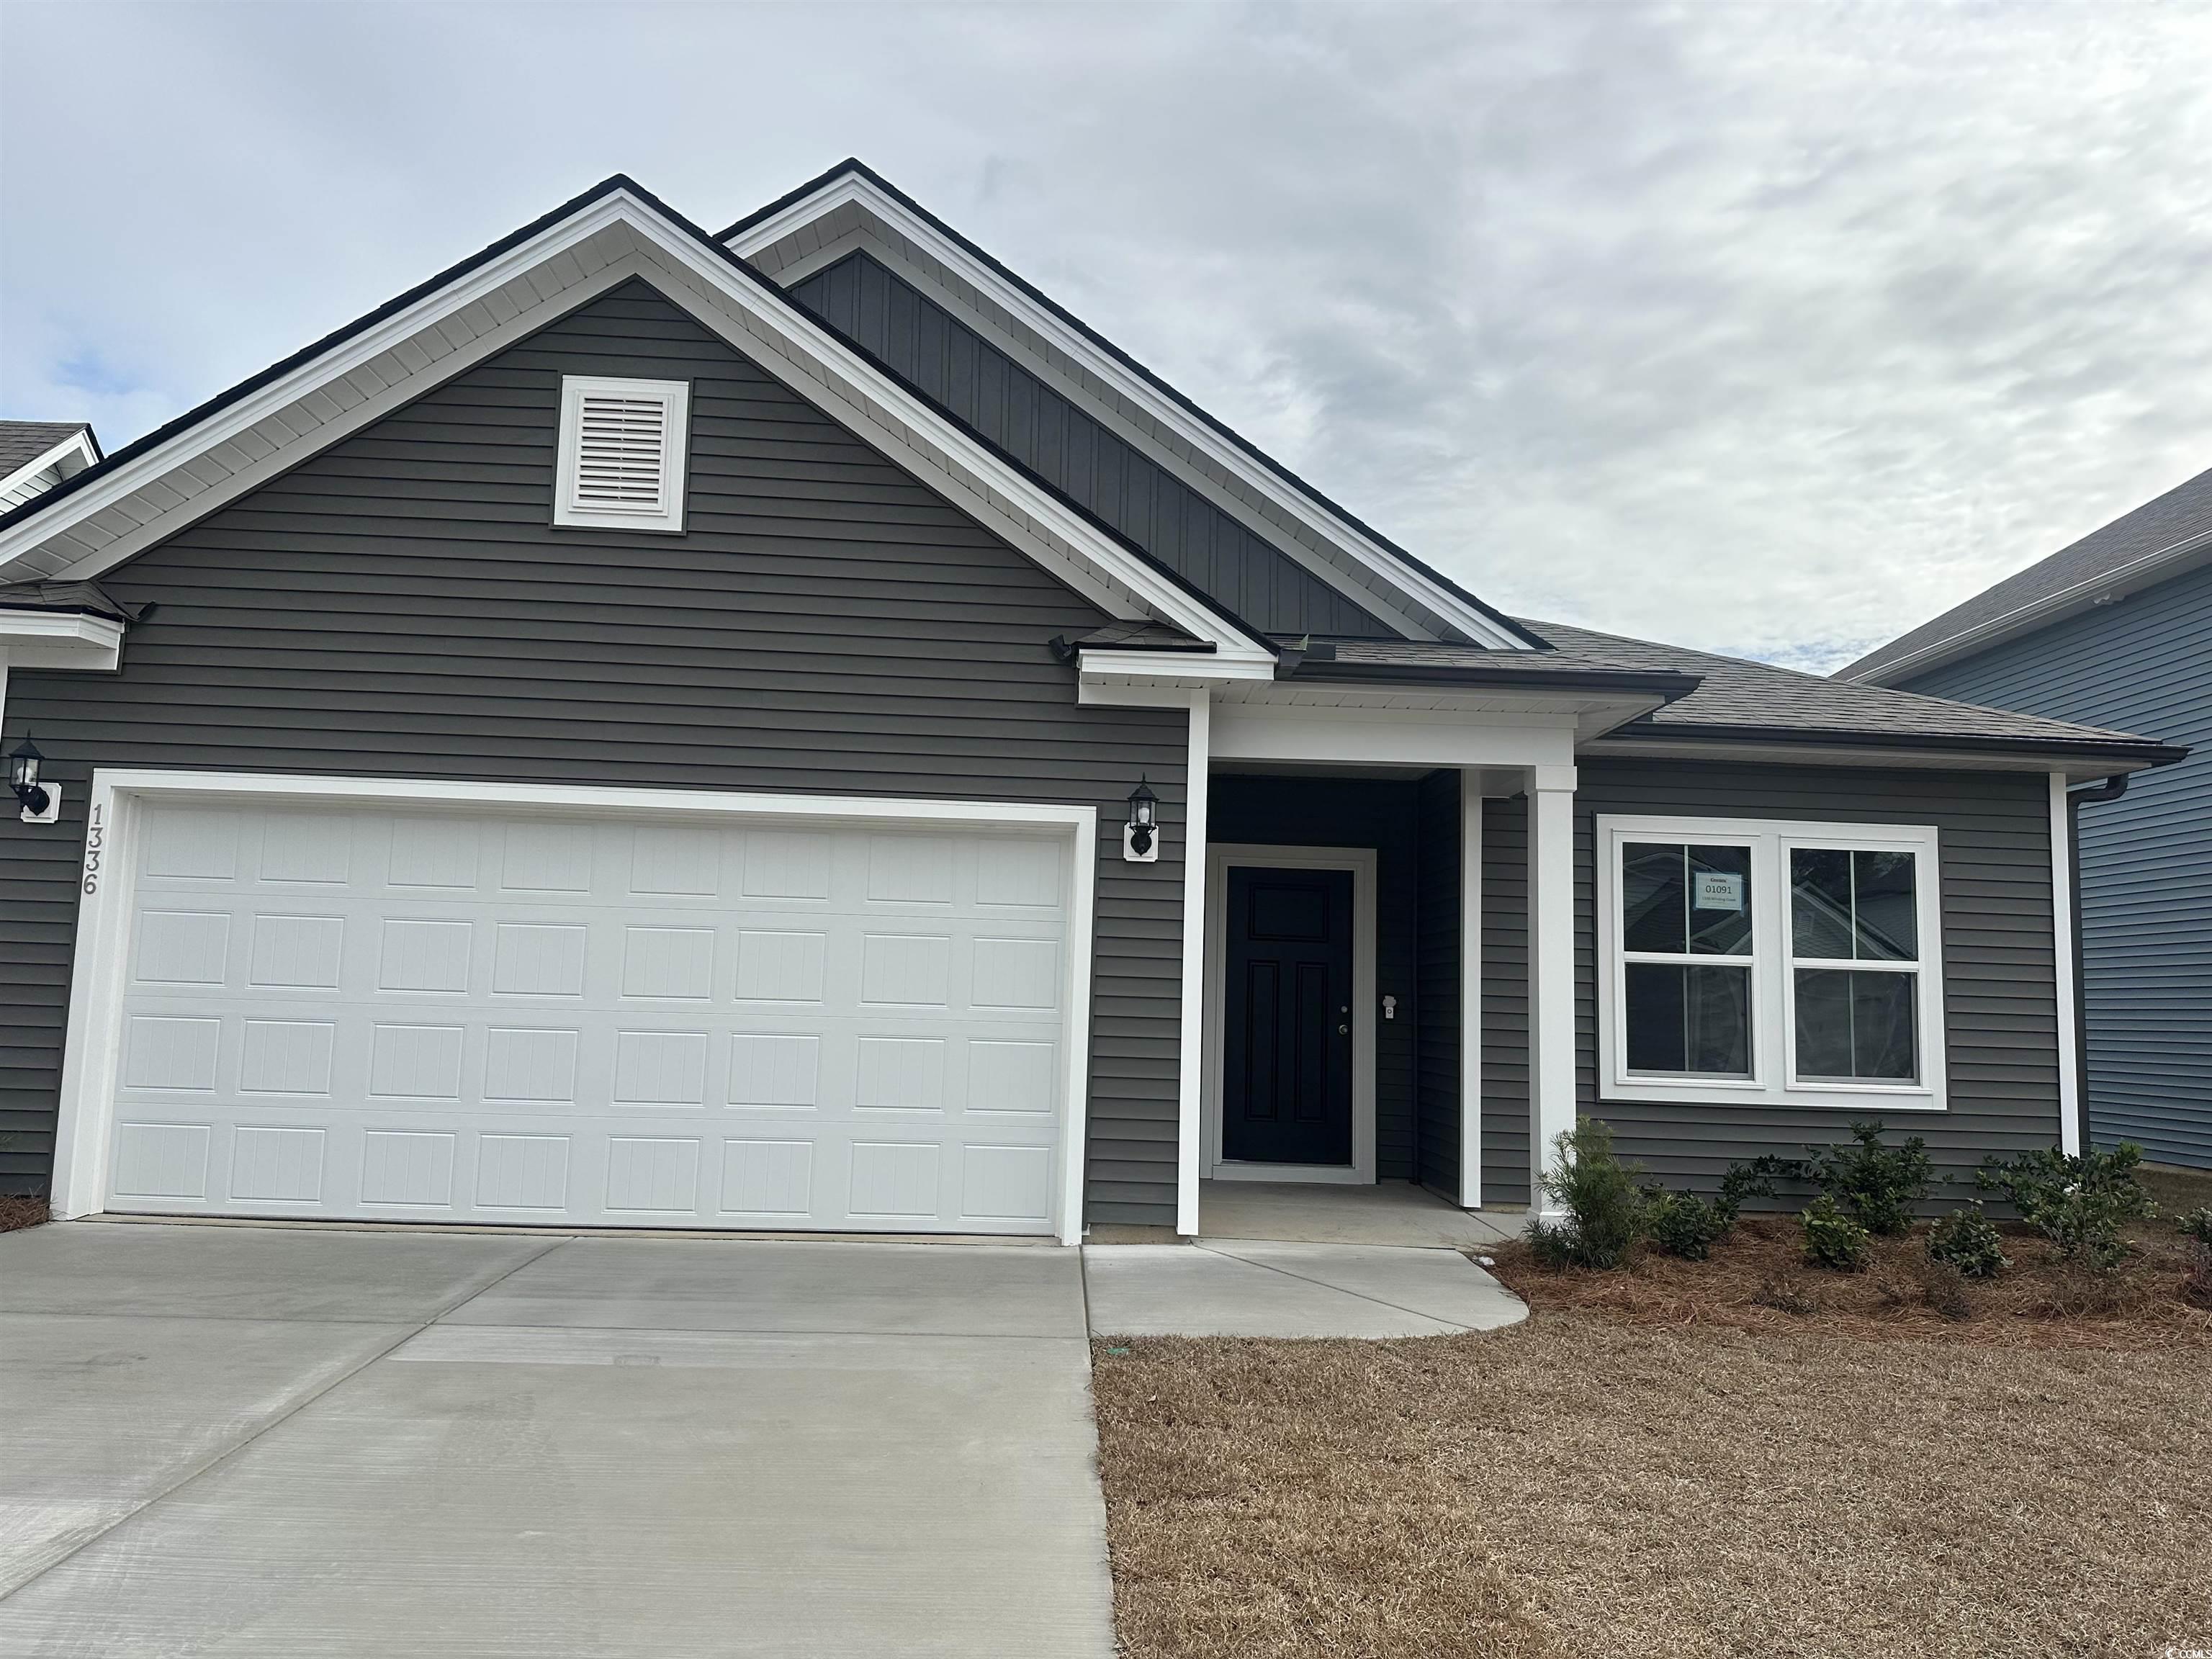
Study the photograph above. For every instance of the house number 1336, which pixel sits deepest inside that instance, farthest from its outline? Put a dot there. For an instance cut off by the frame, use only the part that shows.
(95, 841)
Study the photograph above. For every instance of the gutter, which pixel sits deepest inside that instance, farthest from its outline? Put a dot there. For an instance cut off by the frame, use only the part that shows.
(2145, 751)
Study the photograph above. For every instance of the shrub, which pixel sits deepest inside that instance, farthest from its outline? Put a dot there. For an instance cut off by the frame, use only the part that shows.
(1969, 1240)
(1754, 1180)
(1879, 1184)
(2079, 1203)
(1683, 1224)
(2196, 1224)
(1943, 1287)
(1833, 1239)
(1605, 1210)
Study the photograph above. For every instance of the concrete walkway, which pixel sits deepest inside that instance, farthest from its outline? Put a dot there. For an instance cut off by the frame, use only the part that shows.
(1249, 1287)
(308, 1441)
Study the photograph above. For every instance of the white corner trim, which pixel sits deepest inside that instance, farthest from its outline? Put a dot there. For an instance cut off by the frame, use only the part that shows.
(76, 447)
(1194, 1025)
(673, 398)
(1361, 861)
(108, 876)
(2062, 901)
(1769, 842)
(1470, 989)
(1401, 576)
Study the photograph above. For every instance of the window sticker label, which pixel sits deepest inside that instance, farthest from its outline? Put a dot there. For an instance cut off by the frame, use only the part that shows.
(1718, 890)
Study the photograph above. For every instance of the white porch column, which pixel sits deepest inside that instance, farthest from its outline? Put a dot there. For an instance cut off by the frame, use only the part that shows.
(1550, 969)
(1470, 989)
(1191, 1051)
(2062, 901)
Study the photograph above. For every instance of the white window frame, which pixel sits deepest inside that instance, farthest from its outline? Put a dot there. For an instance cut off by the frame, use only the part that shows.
(1773, 1080)
(675, 398)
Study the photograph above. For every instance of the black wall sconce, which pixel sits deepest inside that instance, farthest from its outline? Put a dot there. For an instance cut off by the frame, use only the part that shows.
(41, 802)
(1140, 840)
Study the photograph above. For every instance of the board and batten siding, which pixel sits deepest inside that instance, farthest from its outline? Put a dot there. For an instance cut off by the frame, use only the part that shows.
(2000, 983)
(2143, 665)
(986, 389)
(400, 606)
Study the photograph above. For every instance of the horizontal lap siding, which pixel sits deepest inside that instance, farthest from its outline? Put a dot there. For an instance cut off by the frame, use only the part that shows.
(2000, 982)
(1336, 812)
(400, 606)
(1437, 832)
(951, 363)
(2143, 665)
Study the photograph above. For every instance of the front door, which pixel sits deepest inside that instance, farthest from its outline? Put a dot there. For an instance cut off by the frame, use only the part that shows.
(1287, 1072)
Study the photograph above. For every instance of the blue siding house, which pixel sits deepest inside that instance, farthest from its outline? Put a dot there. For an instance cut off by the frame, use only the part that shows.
(2116, 631)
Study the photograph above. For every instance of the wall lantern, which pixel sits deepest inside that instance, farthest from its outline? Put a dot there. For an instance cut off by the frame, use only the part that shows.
(1140, 841)
(41, 802)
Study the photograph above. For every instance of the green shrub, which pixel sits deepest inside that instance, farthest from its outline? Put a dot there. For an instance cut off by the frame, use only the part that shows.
(1833, 1239)
(1683, 1224)
(1754, 1180)
(1969, 1240)
(1604, 1209)
(1878, 1184)
(2079, 1203)
(2196, 1224)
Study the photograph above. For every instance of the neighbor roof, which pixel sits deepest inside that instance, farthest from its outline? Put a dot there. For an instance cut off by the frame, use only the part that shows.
(2159, 539)
(23, 442)
(1739, 700)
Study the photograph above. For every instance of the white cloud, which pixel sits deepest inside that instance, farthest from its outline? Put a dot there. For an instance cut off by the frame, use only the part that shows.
(1769, 330)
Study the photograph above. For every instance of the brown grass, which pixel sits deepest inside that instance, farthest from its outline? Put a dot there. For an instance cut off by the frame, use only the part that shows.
(1584, 1485)
(18, 1212)
(1758, 1280)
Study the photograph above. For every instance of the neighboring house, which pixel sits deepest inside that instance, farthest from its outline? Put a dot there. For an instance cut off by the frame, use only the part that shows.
(36, 455)
(790, 729)
(2116, 631)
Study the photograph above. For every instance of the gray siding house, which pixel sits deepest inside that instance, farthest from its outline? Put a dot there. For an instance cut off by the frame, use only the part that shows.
(2116, 629)
(790, 729)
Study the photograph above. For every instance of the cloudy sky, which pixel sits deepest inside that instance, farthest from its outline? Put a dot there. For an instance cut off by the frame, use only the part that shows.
(1768, 329)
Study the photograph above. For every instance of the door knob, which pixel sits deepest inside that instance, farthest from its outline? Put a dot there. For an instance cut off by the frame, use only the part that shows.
(1343, 1030)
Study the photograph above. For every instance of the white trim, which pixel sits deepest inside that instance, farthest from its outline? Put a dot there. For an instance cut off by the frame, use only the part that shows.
(1552, 1060)
(781, 339)
(1192, 1033)
(1470, 990)
(77, 447)
(1365, 1006)
(97, 983)
(60, 639)
(674, 397)
(1358, 735)
(1772, 962)
(1421, 590)
(2061, 920)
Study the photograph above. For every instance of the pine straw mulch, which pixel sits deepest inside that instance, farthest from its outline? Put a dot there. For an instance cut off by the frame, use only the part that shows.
(1580, 1485)
(17, 1213)
(1758, 1280)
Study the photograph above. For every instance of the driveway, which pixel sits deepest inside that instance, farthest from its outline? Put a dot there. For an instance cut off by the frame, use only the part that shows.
(295, 1442)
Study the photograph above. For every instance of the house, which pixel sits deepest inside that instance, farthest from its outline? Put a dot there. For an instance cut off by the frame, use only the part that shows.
(2115, 629)
(36, 455)
(790, 729)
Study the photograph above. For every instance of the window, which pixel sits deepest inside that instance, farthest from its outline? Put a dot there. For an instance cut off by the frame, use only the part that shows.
(1769, 962)
(622, 451)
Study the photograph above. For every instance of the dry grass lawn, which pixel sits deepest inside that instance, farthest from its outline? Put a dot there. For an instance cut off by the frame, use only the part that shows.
(1664, 1465)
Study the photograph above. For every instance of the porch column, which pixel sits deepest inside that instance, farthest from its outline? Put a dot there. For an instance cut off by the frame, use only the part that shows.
(1191, 1051)
(1551, 969)
(1470, 988)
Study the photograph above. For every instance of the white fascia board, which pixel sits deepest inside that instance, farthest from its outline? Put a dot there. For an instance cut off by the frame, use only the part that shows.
(59, 639)
(1399, 575)
(76, 447)
(2152, 568)
(806, 357)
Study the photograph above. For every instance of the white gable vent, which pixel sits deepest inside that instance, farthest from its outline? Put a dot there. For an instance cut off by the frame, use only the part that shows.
(621, 453)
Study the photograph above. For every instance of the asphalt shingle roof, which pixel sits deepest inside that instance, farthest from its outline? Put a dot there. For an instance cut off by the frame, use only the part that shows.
(79, 598)
(23, 441)
(2182, 513)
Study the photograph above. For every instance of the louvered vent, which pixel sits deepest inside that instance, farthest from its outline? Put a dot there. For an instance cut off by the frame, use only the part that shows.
(621, 453)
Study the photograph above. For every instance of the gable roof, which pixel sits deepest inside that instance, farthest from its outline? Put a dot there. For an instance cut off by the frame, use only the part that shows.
(1740, 700)
(2161, 538)
(24, 441)
(797, 232)
(613, 233)
(36, 455)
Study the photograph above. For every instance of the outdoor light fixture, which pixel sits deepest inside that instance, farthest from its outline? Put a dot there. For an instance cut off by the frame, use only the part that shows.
(1141, 842)
(40, 802)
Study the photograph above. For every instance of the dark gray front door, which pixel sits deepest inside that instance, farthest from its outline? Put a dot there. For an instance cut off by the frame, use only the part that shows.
(1287, 1051)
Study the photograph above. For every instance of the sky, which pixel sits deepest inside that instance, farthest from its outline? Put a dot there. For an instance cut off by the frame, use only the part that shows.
(1772, 330)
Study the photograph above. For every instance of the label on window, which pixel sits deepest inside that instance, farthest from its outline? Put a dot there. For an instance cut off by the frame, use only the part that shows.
(1717, 891)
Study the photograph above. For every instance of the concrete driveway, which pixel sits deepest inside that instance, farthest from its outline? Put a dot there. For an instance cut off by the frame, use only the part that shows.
(293, 1441)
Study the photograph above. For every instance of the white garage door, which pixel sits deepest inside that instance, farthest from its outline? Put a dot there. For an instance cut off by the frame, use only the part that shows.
(464, 1016)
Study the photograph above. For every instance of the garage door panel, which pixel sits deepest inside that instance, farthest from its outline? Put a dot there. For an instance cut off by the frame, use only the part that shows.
(592, 1021)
